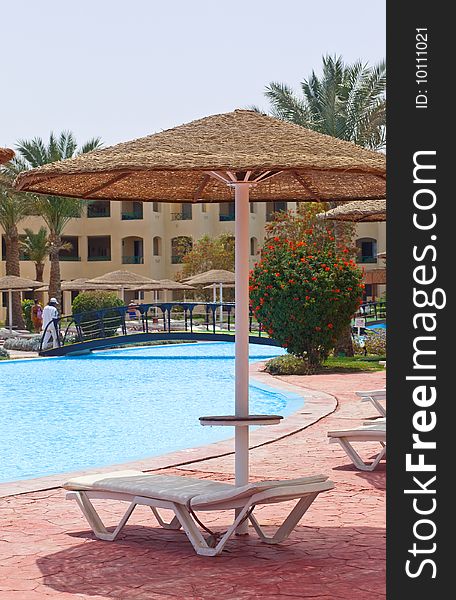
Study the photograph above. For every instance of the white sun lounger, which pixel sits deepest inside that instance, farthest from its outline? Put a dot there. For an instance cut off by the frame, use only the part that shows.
(375, 397)
(185, 496)
(367, 433)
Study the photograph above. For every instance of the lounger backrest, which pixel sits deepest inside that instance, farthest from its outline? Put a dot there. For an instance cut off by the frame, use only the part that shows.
(245, 491)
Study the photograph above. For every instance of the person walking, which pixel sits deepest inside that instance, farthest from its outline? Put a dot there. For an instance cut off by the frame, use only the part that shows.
(37, 315)
(50, 327)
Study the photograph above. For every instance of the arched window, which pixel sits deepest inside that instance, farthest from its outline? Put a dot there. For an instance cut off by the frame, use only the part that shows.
(179, 247)
(157, 246)
(132, 250)
(253, 246)
(366, 250)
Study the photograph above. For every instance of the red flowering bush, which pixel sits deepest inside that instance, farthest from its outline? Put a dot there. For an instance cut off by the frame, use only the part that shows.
(305, 293)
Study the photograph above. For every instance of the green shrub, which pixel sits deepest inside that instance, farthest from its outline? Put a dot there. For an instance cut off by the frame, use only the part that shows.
(90, 303)
(287, 364)
(27, 312)
(376, 342)
(305, 294)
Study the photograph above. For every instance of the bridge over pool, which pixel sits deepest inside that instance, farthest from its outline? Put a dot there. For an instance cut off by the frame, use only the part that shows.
(161, 321)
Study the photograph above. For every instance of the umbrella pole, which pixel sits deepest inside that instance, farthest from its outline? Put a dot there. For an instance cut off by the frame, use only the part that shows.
(221, 306)
(242, 334)
(10, 310)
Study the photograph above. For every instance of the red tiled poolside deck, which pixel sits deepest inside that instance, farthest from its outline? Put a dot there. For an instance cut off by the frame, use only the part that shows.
(337, 552)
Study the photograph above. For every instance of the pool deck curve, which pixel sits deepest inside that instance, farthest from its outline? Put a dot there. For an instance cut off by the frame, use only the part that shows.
(336, 552)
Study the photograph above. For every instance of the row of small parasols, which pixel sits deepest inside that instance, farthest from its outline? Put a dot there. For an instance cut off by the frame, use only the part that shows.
(121, 280)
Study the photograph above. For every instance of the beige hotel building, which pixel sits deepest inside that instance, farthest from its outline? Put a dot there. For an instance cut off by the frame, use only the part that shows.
(145, 238)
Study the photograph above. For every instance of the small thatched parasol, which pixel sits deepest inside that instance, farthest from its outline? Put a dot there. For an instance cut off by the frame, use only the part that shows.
(164, 284)
(357, 212)
(82, 284)
(210, 277)
(121, 280)
(214, 277)
(375, 277)
(5, 155)
(242, 156)
(12, 282)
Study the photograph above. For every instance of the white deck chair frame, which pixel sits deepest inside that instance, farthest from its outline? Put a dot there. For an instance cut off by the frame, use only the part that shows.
(364, 434)
(184, 515)
(374, 397)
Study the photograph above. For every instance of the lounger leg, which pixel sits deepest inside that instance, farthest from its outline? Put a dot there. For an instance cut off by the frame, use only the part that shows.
(381, 409)
(289, 524)
(173, 524)
(196, 538)
(96, 524)
(356, 458)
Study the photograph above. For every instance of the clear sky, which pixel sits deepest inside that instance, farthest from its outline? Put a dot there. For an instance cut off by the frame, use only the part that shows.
(121, 69)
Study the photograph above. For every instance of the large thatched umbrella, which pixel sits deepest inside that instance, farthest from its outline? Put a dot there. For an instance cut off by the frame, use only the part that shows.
(120, 280)
(368, 211)
(12, 283)
(5, 155)
(240, 156)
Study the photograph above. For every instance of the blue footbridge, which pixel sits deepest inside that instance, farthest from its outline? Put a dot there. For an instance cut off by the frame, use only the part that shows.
(161, 321)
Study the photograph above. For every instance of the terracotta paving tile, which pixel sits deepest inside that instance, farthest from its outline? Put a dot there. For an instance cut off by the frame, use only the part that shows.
(337, 552)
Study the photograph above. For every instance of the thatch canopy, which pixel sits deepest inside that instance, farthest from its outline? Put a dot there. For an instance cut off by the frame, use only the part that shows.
(375, 276)
(357, 212)
(11, 282)
(121, 279)
(210, 277)
(5, 155)
(83, 284)
(179, 164)
(164, 284)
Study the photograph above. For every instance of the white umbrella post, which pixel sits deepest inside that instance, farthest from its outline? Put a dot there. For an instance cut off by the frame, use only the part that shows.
(241, 190)
(221, 306)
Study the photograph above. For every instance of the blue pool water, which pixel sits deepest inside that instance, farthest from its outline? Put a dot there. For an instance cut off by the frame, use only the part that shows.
(66, 414)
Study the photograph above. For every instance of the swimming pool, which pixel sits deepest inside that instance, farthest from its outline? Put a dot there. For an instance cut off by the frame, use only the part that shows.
(67, 414)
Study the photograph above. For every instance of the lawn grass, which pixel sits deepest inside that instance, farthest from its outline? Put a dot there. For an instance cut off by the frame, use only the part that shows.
(288, 364)
(344, 364)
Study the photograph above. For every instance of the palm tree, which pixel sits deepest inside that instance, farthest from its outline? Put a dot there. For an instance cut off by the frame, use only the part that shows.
(57, 211)
(36, 247)
(346, 101)
(13, 208)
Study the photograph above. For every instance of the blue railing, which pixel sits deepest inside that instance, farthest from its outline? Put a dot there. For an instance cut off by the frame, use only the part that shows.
(157, 317)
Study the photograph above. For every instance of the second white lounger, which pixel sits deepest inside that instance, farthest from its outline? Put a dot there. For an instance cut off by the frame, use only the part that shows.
(367, 433)
(186, 495)
(376, 397)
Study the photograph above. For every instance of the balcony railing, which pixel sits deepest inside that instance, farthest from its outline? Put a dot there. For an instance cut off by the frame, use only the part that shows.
(181, 216)
(94, 212)
(367, 259)
(98, 258)
(67, 257)
(133, 260)
(132, 216)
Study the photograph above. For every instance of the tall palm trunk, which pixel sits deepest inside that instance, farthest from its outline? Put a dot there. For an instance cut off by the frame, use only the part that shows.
(55, 290)
(39, 271)
(13, 268)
